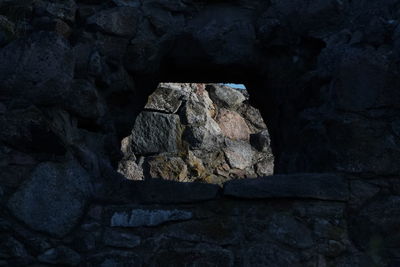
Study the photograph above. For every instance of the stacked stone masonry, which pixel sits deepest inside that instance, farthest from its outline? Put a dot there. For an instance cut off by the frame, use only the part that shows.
(75, 76)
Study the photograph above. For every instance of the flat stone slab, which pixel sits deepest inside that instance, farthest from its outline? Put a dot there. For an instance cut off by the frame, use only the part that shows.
(315, 186)
(162, 191)
(143, 217)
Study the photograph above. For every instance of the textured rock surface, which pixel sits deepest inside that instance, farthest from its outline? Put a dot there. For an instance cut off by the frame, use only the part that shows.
(318, 186)
(53, 199)
(75, 74)
(155, 133)
(214, 146)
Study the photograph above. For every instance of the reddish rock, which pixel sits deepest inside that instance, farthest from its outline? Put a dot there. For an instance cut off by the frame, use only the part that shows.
(233, 125)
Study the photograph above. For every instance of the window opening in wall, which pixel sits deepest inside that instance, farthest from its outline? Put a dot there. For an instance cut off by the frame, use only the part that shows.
(197, 132)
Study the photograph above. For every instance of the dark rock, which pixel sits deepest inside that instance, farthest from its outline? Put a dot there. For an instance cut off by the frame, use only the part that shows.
(142, 217)
(84, 100)
(120, 239)
(53, 199)
(61, 9)
(289, 231)
(115, 258)
(201, 255)
(261, 141)
(28, 130)
(220, 231)
(270, 255)
(120, 21)
(373, 227)
(12, 248)
(147, 141)
(45, 73)
(163, 192)
(60, 255)
(317, 186)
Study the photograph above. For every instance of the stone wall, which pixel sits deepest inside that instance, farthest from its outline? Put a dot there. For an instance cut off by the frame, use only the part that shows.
(75, 74)
(197, 132)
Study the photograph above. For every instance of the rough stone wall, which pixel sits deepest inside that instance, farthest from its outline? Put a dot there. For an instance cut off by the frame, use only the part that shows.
(75, 74)
(197, 132)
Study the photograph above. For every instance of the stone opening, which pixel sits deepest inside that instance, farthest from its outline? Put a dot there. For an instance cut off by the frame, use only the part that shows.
(197, 132)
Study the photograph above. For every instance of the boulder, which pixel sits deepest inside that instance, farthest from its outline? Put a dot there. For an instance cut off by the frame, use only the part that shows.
(233, 125)
(155, 133)
(53, 199)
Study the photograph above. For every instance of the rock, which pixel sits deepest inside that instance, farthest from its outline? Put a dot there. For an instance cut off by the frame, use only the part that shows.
(120, 21)
(53, 199)
(201, 255)
(119, 239)
(270, 255)
(375, 223)
(233, 125)
(253, 117)
(131, 170)
(317, 186)
(239, 154)
(168, 168)
(28, 130)
(147, 140)
(164, 192)
(60, 255)
(141, 217)
(84, 101)
(265, 167)
(206, 137)
(261, 141)
(62, 9)
(12, 248)
(115, 258)
(225, 96)
(218, 231)
(45, 73)
(165, 99)
(289, 231)
(199, 107)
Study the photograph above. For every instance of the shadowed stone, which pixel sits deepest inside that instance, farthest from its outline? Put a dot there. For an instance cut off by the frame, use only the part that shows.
(141, 217)
(120, 239)
(162, 191)
(60, 255)
(315, 186)
(53, 199)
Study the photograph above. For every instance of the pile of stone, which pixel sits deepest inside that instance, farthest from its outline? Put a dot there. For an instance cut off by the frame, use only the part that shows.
(197, 132)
